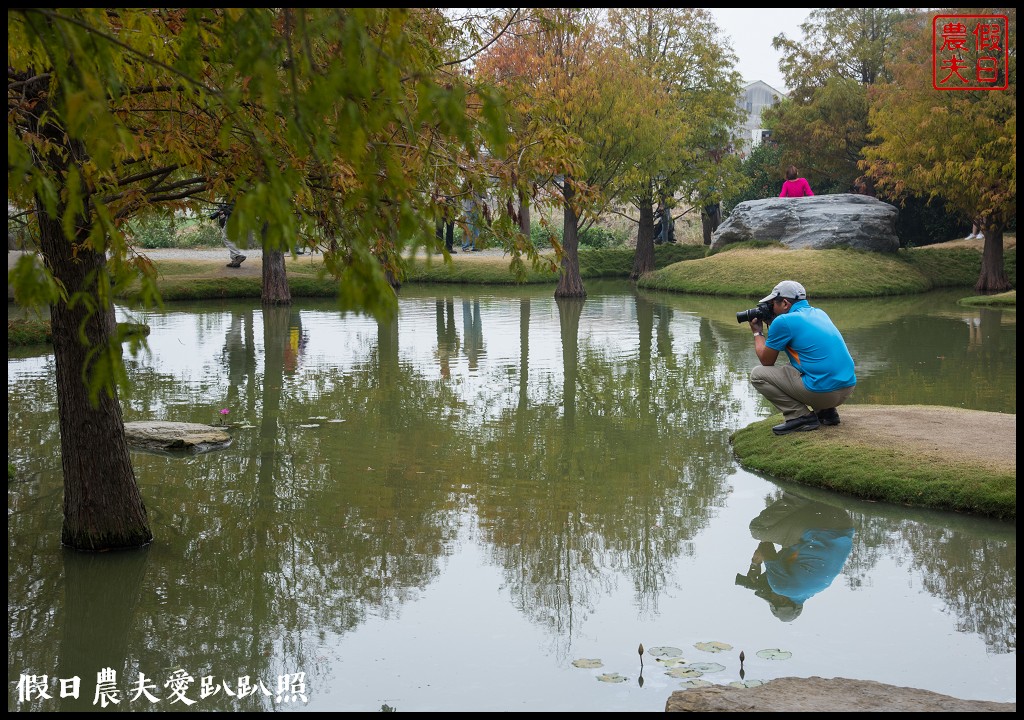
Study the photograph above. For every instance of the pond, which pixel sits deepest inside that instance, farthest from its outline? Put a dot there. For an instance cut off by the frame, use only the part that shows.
(489, 504)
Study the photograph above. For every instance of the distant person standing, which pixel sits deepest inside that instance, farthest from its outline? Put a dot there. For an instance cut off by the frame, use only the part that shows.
(471, 209)
(795, 186)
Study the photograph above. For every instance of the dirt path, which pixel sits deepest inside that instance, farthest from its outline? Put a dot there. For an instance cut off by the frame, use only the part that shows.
(942, 434)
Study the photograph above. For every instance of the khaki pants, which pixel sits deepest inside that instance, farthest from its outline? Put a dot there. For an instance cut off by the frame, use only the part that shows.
(782, 385)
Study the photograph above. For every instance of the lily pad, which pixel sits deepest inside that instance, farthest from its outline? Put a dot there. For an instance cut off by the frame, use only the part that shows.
(746, 683)
(665, 651)
(612, 678)
(708, 667)
(714, 646)
(587, 663)
(671, 662)
(684, 672)
(695, 683)
(774, 654)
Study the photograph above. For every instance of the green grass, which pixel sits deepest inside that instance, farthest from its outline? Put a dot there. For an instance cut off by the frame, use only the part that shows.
(825, 460)
(1002, 300)
(750, 272)
(25, 331)
(28, 332)
(746, 270)
(490, 270)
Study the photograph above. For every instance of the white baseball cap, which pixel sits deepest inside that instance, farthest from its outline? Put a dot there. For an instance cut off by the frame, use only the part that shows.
(787, 289)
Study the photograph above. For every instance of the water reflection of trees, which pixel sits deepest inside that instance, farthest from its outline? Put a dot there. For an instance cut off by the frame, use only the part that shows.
(902, 362)
(970, 564)
(617, 480)
(975, 576)
(300, 530)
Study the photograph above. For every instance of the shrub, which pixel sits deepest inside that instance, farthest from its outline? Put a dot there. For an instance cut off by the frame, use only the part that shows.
(155, 231)
(540, 234)
(598, 237)
(198, 233)
(593, 238)
(762, 170)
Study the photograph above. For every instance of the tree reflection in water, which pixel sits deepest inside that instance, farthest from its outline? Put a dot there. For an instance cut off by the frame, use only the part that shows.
(584, 458)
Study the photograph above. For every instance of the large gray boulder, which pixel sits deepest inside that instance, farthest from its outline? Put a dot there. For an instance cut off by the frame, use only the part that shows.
(815, 694)
(813, 223)
(162, 436)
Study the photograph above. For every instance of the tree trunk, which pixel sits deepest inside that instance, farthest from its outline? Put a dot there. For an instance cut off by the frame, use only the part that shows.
(101, 599)
(710, 219)
(993, 271)
(103, 508)
(275, 279)
(569, 312)
(570, 284)
(524, 213)
(643, 258)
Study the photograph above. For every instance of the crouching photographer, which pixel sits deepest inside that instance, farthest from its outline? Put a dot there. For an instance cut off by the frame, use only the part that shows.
(820, 375)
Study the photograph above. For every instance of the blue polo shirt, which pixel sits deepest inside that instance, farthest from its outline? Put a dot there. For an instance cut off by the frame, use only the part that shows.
(810, 566)
(814, 346)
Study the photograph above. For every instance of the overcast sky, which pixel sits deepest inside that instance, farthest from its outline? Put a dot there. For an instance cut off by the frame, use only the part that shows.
(751, 33)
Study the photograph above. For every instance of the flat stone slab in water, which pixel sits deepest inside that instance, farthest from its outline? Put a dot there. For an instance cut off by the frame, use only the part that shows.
(175, 437)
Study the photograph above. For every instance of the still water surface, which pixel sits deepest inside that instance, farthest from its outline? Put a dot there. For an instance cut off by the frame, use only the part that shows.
(444, 512)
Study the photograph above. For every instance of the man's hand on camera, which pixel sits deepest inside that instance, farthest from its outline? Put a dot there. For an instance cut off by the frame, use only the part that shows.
(757, 327)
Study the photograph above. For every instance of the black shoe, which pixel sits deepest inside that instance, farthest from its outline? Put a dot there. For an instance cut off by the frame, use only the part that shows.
(829, 416)
(800, 424)
(236, 262)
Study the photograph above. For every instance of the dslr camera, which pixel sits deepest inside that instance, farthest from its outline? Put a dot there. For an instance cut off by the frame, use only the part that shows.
(222, 213)
(763, 311)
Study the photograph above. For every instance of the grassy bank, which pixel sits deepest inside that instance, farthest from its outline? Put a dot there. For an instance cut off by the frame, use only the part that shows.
(23, 332)
(829, 459)
(751, 271)
(1002, 300)
(495, 270)
(740, 271)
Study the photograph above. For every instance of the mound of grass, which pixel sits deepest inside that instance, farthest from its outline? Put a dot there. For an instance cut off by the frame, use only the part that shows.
(751, 271)
(827, 460)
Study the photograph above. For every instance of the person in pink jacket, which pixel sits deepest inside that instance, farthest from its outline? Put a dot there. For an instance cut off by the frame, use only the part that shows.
(795, 186)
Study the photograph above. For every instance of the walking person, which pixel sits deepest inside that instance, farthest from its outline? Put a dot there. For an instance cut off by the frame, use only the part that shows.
(221, 215)
(820, 374)
(795, 186)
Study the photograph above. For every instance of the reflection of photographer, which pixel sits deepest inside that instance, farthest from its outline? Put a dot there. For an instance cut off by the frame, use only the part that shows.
(815, 541)
(820, 374)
